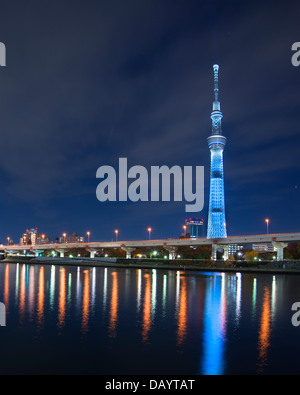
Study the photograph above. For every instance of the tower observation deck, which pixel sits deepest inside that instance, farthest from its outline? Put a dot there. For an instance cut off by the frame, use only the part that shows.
(216, 227)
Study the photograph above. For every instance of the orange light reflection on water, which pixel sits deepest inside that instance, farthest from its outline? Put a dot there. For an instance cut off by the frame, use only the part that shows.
(62, 299)
(264, 332)
(22, 298)
(85, 301)
(113, 306)
(146, 325)
(182, 313)
(41, 297)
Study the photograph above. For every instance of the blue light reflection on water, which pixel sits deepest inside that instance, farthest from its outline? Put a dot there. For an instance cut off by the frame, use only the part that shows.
(213, 331)
(168, 322)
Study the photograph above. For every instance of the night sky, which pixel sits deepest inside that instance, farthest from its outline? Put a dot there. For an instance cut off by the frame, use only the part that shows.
(88, 82)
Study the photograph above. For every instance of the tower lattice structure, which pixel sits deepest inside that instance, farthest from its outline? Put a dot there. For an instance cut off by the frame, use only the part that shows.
(216, 227)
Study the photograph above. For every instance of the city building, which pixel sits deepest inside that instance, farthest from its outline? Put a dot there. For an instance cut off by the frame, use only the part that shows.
(264, 247)
(233, 248)
(32, 237)
(193, 228)
(216, 227)
(74, 238)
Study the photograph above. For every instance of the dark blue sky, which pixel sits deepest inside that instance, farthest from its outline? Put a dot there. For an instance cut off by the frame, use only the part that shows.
(88, 82)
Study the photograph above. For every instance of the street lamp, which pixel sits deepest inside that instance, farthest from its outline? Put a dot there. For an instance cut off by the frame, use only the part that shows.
(184, 227)
(149, 230)
(8, 240)
(116, 232)
(43, 237)
(64, 235)
(267, 221)
(88, 235)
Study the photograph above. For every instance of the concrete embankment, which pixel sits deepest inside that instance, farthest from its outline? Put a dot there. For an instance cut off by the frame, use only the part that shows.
(194, 265)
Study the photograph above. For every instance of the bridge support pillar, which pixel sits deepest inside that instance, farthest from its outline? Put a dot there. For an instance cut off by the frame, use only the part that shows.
(38, 252)
(92, 252)
(214, 248)
(128, 250)
(61, 253)
(172, 251)
(280, 246)
(226, 252)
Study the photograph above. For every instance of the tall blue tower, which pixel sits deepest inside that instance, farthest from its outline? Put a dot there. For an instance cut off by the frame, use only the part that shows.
(216, 228)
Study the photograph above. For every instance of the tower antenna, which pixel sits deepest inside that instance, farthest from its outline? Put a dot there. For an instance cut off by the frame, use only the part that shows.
(216, 81)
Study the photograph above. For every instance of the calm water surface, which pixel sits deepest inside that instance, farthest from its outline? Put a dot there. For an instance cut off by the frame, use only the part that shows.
(79, 320)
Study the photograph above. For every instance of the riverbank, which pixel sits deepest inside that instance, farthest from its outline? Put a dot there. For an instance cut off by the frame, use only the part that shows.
(193, 265)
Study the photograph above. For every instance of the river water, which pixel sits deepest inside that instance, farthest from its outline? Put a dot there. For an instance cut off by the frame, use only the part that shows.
(82, 320)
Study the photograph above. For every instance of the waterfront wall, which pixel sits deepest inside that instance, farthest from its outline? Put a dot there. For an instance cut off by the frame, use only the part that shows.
(225, 266)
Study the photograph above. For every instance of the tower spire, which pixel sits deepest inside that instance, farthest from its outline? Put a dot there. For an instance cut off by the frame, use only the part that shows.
(216, 115)
(216, 81)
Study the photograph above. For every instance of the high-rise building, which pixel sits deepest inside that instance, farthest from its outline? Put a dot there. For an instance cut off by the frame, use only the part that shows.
(216, 227)
(32, 237)
(193, 227)
(29, 237)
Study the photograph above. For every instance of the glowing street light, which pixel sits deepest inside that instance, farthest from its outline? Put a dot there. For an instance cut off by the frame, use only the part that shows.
(116, 232)
(43, 237)
(184, 227)
(8, 240)
(64, 235)
(267, 221)
(149, 230)
(88, 235)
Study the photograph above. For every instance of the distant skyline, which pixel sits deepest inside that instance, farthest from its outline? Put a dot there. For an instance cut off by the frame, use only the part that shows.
(88, 84)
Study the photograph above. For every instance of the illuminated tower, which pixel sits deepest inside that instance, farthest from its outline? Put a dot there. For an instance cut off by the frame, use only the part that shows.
(216, 227)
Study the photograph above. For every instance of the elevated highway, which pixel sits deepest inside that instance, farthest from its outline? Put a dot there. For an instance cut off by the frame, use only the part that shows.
(279, 240)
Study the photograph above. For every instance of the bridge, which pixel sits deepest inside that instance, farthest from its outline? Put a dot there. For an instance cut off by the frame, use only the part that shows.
(279, 241)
